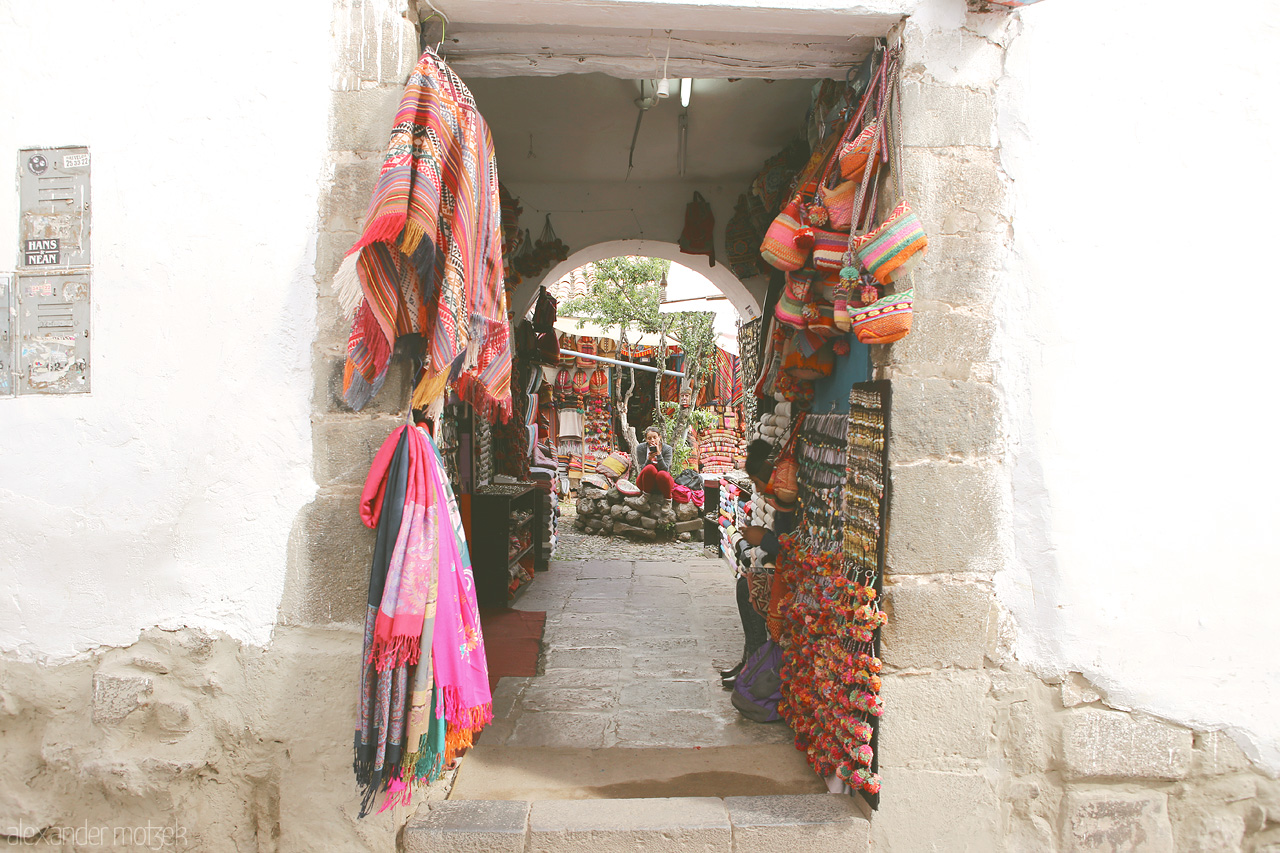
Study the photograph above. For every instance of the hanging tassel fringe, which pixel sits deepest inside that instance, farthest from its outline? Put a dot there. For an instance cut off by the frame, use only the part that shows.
(358, 392)
(363, 764)
(370, 793)
(491, 408)
(385, 229)
(412, 237)
(398, 794)
(346, 283)
(404, 650)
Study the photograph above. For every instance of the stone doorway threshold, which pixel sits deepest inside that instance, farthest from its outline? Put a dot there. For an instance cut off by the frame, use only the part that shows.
(786, 824)
(584, 774)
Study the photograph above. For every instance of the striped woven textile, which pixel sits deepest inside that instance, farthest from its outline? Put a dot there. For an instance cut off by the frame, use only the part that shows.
(893, 244)
(429, 261)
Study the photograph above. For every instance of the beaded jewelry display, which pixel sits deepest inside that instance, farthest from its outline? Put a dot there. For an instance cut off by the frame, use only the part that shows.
(830, 573)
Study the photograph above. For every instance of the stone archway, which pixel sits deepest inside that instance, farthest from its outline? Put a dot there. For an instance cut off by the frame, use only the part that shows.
(746, 303)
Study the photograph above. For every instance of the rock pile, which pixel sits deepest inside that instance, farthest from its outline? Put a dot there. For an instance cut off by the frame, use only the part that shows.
(646, 517)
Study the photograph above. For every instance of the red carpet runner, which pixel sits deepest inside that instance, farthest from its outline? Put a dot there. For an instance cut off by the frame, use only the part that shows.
(512, 641)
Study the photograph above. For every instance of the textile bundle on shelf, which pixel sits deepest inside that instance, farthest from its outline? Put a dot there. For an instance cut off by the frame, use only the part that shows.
(424, 684)
(429, 261)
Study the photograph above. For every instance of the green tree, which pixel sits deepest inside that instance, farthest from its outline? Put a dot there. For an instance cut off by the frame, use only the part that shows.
(627, 292)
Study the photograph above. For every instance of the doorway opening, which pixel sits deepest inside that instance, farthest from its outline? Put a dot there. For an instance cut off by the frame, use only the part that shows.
(602, 166)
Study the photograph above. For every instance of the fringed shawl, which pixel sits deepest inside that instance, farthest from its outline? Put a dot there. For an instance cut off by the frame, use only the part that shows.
(429, 260)
(424, 687)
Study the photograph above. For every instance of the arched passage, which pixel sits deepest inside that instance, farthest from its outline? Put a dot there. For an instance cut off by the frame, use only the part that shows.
(720, 275)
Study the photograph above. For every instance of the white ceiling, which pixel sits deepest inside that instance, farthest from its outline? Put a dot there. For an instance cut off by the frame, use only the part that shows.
(582, 125)
(568, 74)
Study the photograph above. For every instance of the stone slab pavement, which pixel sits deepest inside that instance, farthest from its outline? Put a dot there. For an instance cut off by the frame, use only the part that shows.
(631, 656)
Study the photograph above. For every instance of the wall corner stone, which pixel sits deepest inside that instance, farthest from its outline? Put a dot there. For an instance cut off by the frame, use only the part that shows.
(1098, 743)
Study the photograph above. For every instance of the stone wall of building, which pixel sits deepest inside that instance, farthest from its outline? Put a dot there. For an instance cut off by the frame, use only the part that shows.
(376, 46)
(977, 753)
(204, 741)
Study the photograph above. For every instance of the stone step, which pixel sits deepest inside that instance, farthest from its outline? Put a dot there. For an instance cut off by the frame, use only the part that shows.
(776, 824)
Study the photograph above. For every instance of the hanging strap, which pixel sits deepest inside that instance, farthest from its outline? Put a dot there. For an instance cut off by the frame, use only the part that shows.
(879, 142)
(854, 126)
(895, 138)
(791, 439)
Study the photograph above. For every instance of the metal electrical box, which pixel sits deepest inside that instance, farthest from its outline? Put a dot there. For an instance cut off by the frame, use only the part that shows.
(53, 191)
(53, 342)
(7, 369)
(49, 299)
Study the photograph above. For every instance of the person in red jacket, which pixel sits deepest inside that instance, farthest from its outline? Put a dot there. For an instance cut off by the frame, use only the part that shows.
(655, 459)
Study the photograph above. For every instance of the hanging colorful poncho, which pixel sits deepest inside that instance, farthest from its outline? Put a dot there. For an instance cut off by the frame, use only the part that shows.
(429, 261)
(416, 710)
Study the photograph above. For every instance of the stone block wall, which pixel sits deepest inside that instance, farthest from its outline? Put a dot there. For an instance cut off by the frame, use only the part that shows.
(376, 47)
(202, 742)
(187, 741)
(976, 753)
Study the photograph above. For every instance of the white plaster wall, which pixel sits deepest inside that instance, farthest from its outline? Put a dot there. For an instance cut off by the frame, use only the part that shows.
(1139, 355)
(166, 496)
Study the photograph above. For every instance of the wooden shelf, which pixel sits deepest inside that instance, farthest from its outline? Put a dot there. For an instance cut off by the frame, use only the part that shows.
(494, 511)
(518, 557)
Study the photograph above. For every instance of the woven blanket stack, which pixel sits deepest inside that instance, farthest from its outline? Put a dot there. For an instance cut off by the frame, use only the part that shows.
(720, 450)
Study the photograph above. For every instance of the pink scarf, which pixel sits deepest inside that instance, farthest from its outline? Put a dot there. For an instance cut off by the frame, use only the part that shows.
(411, 574)
(457, 648)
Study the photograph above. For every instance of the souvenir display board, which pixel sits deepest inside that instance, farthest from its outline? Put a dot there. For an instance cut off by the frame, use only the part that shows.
(749, 364)
(834, 571)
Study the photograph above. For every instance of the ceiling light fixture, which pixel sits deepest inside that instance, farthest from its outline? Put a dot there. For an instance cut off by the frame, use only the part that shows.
(686, 89)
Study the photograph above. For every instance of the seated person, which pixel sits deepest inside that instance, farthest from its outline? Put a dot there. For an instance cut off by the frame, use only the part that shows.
(655, 457)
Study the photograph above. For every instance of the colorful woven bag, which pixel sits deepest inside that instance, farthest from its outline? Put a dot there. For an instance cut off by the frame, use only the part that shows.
(838, 201)
(829, 249)
(599, 382)
(742, 241)
(587, 346)
(564, 381)
(820, 319)
(799, 364)
(894, 246)
(886, 320)
(787, 243)
(698, 237)
(794, 297)
(581, 382)
(854, 154)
